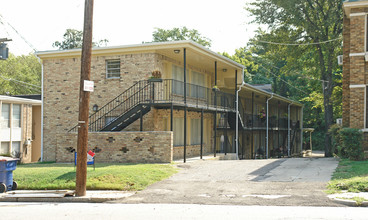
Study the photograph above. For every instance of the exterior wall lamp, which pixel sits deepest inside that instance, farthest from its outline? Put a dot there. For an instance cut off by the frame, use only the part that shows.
(95, 108)
(176, 51)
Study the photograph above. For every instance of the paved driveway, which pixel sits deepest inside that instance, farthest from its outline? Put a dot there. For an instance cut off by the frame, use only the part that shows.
(295, 181)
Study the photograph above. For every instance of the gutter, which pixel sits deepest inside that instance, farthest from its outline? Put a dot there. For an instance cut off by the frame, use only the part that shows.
(237, 118)
(39, 60)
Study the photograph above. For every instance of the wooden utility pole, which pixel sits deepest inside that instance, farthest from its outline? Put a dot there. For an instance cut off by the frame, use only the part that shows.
(81, 174)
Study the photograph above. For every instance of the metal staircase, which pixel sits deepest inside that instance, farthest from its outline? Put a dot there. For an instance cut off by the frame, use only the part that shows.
(123, 109)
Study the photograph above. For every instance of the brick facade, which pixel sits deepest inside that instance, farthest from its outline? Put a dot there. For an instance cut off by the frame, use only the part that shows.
(61, 91)
(120, 147)
(61, 94)
(355, 67)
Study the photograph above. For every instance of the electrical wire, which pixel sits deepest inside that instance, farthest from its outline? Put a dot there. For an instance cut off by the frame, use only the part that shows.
(2, 20)
(298, 44)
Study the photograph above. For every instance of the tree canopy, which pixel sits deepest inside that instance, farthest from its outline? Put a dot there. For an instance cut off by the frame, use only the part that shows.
(177, 34)
(74, 39)
(20, 75)
(299, 48)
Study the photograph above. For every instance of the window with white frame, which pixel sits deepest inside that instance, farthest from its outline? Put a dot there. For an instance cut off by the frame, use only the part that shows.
(112, 69)
(4, 149)
(195, 131)
(16, 116)
(5, 116)
(178, 129)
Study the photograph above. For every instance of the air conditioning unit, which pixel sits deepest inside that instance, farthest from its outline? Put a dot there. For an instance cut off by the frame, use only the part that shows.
(339, 121)
(339, 60)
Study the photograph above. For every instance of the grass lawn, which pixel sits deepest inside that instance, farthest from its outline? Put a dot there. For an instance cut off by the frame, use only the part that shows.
(351, 176)
(128, 177)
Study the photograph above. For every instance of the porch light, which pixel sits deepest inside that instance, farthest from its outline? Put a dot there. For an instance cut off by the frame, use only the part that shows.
(95, 107)
(224, 70)
(176, 51)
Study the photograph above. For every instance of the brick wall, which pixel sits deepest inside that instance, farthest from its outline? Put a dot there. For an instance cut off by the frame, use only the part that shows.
(121, 147)
(346, 74)
(355, 71)
(61, 90)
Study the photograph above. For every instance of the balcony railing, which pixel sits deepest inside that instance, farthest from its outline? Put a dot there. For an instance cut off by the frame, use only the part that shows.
(172, 91)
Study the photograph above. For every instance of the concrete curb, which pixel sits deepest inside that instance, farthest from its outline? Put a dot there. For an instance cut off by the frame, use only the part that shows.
(42, 196)
(345, 198)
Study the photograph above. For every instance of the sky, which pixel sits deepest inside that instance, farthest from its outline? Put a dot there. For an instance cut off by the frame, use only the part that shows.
(42, 22)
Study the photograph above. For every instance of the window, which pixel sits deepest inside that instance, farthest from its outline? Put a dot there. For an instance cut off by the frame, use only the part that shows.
(195, 131)
(198, 79)
(4, 149)
(16, 116)
(15, 149)
(5, 115)
(113, 69)
(178, 80)
(178, 130)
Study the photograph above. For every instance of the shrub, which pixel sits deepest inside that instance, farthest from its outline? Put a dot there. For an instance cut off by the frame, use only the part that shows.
(347, 142)
(351, 143)
(336, 141)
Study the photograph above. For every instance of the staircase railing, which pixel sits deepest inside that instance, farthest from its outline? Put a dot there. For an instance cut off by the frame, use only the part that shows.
(159, 92)
(136, 94)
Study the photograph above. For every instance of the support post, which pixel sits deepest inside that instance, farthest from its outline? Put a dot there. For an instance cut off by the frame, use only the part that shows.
(172, 117)
(215, 115)
(141, 121)
(289, 129)
(185, 104)
(252, 116)
(201, 134)
(84, 97)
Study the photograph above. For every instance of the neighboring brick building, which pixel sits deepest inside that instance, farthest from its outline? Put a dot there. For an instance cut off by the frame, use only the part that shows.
(355, 67)
(126, 99)
(20, 128)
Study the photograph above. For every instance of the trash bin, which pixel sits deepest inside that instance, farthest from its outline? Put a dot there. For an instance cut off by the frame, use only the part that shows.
(7, 165)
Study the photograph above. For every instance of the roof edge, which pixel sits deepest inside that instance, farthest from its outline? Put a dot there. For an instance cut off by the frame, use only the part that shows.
(137, 48)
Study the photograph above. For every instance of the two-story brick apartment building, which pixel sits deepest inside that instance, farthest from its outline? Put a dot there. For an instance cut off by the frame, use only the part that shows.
(137, 119)
(355, 67)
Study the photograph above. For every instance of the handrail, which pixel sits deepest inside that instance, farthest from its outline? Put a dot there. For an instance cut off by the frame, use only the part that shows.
(160, 92)
(112, 105)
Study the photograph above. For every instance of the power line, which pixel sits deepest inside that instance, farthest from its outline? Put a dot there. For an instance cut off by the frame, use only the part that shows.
(2, 20)
(279, 78)
(25, 83)
(298, 44)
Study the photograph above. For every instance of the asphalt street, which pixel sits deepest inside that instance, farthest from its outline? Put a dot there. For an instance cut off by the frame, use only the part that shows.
(89, 211)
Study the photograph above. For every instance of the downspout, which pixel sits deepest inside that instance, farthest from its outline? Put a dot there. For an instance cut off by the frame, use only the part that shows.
(289, 128)
(301, 131)
(267, 126)
(39, 60)
(237, 118)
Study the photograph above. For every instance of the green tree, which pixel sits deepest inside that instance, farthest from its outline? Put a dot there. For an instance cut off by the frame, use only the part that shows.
(20, 75)
(317, 23)
(74, 39)
(177, 34)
